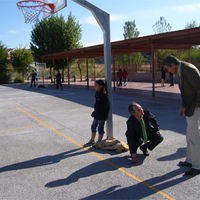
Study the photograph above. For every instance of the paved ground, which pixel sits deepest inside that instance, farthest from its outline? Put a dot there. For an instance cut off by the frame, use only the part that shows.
(140, 87)
(41, 132)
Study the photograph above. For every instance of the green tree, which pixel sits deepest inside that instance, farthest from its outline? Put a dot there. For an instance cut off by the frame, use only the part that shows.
(195, 56)
(54, 34)
(163, 53)
(130, 30)
(4, 75)
(191, 24)
(161, 26)
(136, 58)
(20, 58)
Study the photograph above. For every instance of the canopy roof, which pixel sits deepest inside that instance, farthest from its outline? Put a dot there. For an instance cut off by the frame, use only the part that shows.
(182, 39)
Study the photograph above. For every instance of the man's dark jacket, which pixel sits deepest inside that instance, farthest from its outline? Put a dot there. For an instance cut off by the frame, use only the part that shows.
(134, 129)
(189, 85)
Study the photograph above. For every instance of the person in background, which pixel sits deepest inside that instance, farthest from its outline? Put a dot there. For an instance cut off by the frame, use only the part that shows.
(33, 78)
(125, 77)
(171, 76)
(189, 84)
(100, 114)
(120, 76)
(142, 131)
(163, 76)
(58, 80)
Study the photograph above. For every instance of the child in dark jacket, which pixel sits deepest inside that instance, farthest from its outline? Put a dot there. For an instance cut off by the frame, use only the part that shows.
(100, 114)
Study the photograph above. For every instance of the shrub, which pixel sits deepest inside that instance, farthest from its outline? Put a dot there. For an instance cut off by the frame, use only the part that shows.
(4, 75)
(18, 80)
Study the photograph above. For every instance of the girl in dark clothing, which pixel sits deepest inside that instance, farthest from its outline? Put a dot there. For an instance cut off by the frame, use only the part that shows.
(100, 114)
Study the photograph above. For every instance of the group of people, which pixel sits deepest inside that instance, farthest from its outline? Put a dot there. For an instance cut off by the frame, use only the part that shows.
(142, 127)
(122, 76)
(34, 79)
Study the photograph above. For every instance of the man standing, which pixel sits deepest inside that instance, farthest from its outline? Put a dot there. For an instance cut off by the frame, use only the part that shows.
(189, 84)
(142, 131)
(58, 80)
(33, 78)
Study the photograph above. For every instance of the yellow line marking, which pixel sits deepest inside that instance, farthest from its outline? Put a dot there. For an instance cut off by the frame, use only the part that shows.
(98, 156)
(18, 128)
(8, 110)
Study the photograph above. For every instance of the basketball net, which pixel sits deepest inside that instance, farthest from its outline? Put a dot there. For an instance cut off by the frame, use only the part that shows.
(31, 9)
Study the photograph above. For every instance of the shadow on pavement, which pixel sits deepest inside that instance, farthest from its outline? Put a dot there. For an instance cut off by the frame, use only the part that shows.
(139, 191)
(180, 153)
(96, 168)
(52, 159)
(166, 111)
(41, 161)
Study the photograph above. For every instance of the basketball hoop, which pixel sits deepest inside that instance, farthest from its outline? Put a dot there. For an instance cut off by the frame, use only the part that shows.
(31, 9)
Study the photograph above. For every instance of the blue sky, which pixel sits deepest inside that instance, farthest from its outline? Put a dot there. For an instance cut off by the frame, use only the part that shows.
(14, 32)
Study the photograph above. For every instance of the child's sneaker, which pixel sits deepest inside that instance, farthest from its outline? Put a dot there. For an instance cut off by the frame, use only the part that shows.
(90, 143)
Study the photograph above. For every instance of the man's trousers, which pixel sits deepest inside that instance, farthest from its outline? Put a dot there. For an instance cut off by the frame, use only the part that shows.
(193, 139)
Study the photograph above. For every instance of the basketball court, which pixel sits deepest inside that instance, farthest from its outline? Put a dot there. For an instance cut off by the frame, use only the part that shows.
(42, 157)
(43, 131)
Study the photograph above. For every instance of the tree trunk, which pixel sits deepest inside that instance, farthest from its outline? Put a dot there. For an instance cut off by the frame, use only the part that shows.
(23, 76)
(80, 71)
(63, 74)
(51, 75)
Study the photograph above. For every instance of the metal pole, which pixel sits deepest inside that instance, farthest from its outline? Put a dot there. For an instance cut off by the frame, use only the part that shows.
(153, 71)
(68, 74)
(156, 67)
(54, 72)
(131, 66)
(189, 55)
(103, 20)
(94, 71)
(114, 72)
(87, 73)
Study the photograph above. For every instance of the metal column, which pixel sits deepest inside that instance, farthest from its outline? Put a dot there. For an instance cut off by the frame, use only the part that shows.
(153, 71)
(68, 73)
(87, 76)
(114, 73)
(103, 20)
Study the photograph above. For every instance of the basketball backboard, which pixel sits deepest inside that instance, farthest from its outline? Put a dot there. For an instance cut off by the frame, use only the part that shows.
(58, 5)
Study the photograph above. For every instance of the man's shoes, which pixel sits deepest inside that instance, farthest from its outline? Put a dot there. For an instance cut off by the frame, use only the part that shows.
(144, 150)
(184, 164)
(90, 143)
(192, 172)
(134, 158)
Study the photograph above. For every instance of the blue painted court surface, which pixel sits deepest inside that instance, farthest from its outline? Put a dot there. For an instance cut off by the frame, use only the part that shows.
(41, 136)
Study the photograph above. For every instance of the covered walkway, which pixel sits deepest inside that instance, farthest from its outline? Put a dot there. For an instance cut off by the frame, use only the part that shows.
(182, 39)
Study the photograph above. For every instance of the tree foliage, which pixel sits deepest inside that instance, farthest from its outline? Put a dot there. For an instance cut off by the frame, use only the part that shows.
(195, 56)
(20, 58)
(4, 76)
(161, 26)
(54, 34)
(136, 58)
(130, 30)
(191, 24)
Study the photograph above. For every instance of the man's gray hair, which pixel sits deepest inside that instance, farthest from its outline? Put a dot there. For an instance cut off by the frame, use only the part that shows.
(131, 107)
